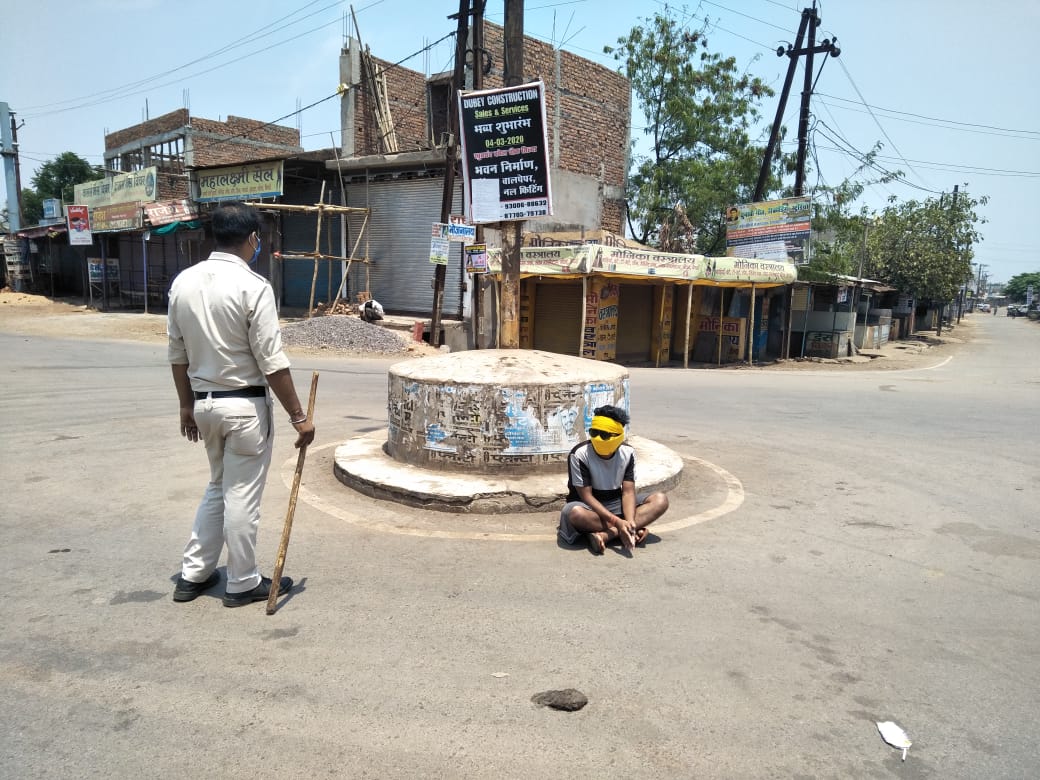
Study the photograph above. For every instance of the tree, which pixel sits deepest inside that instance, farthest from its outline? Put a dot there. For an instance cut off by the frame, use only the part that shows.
(1015, 289)
(56, 179)
(32, 207)
(839, 233)
(924, 248)
(698, 110)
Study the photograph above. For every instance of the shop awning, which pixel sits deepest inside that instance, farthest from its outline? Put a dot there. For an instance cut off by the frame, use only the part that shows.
(42, 231)
(648, 264)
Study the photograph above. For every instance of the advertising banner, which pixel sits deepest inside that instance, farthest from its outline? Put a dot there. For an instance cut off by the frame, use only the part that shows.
(440, 245)
(170, 211)
(459, 231)
(505, 154)
(79, 226)
(476, 258)
(121, 188)
(617, 260)
(771, 229)
(240, 182)
(599, 335)
(95, 266)
(113, 219)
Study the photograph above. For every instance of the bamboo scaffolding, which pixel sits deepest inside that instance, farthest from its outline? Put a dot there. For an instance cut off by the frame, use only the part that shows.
(321, 209)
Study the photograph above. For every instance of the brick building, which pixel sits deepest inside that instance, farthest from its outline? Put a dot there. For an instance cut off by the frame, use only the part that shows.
(400, 176)
(177, 142)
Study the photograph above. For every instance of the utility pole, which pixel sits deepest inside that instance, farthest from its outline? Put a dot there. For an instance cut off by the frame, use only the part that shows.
(509, 305)
(809, 22)
(9, 149)
(478, 84)
(450, 157)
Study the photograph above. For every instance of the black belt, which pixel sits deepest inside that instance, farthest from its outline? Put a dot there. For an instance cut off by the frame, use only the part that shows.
(242, 392)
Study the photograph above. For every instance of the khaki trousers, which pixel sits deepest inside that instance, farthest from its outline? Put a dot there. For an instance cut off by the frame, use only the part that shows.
(238, 435)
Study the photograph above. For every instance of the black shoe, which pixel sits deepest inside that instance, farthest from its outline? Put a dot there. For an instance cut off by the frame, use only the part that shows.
(260, 593)
(186, 590)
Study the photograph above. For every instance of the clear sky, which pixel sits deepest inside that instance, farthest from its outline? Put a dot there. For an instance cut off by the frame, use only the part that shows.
(950, 84)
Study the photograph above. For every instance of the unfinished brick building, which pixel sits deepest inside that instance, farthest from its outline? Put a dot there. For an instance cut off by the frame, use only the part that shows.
(177, 141)
(588, 110)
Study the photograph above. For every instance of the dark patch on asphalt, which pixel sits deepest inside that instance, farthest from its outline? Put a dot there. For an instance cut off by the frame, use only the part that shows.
(279, 633)
(136, 597)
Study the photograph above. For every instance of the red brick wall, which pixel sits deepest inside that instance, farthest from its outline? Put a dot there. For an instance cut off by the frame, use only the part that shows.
(406, 93)
(233, 141)
(595, 105)
(161, 124)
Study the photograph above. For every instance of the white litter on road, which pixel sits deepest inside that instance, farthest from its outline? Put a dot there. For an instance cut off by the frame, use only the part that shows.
(894, 736)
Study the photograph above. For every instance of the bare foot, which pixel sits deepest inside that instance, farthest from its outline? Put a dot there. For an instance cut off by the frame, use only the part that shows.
(597, 543)
(641, 534)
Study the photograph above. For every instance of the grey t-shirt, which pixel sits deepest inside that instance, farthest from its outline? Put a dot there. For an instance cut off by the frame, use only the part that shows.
(603, 475)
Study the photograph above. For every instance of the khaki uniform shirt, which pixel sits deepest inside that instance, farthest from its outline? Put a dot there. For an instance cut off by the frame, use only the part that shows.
(223, 325)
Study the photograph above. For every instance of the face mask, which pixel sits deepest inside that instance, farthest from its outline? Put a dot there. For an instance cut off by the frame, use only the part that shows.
(606, 436)
(256, 252)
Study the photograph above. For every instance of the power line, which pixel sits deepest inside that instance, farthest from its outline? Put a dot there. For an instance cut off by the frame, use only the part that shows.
(256, 35)
(746, 16)
(337, 93)
(878, 123)
(848, 148)
(937, 119)
(997, 133)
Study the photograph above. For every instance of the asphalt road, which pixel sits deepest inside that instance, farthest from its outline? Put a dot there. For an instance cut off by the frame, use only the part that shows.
(881, 564)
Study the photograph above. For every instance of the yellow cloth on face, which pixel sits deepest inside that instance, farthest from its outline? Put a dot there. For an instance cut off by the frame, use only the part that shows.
(607, 424)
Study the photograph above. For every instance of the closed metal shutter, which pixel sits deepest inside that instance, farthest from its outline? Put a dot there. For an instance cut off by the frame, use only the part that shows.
(635, 322)
(558, 311)
(400, 275)
(298, 236)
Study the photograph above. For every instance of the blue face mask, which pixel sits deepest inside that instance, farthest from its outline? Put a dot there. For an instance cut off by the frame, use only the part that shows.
(256, 252)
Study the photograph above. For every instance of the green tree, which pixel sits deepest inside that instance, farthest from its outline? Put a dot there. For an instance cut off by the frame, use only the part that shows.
(925, 248)
(839, 232)
(56, 178)
(698, 110)
(32, 207)
(1015, 289)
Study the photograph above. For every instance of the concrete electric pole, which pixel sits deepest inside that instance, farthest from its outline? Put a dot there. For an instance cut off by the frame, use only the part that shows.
(9, 142)
(509, 305)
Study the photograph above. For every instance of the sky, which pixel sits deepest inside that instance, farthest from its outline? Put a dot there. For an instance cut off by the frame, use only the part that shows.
(946, 86)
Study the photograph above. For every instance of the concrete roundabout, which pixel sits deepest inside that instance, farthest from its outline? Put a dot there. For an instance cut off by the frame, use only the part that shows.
(706, 491)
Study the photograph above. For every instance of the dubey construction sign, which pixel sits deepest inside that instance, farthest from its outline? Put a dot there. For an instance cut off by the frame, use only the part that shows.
(505, 154)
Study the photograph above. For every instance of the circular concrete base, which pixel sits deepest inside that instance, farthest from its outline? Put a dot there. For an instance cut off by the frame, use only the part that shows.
(363, 464)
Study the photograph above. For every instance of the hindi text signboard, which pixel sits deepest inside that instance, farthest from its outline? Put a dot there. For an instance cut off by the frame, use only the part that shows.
(505, 154)
(771, 230)
(240, 182)
(138, 186)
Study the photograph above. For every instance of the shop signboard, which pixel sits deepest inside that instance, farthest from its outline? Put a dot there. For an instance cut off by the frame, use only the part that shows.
(137, 186)
(240, 182)
(772, 229)
(95, 264)
(505, 154)
(118, 218)
(170, 211)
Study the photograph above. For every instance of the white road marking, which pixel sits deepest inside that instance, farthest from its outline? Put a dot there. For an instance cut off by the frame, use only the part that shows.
(734, 498)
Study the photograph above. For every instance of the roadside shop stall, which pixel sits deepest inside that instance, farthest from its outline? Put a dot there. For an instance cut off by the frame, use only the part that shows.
(640, 306)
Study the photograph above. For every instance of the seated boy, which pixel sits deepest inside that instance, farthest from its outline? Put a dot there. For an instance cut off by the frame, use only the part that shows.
(602, 502)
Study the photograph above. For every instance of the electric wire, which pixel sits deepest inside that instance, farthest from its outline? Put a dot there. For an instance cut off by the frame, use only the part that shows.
(880, 127)
(256, 35)
(849, 149)
(337, 93)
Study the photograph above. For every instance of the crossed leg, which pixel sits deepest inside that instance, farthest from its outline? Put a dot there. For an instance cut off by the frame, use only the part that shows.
(588, 522)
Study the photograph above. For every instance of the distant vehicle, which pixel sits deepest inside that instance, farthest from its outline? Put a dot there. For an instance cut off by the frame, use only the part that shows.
(983, 307)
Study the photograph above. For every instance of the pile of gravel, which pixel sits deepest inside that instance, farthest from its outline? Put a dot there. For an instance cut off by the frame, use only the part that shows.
(343, 332)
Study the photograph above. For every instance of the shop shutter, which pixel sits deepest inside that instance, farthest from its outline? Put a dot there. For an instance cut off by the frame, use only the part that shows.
(558, 309)
(298, 236)
(635, 322)
(400, 276)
